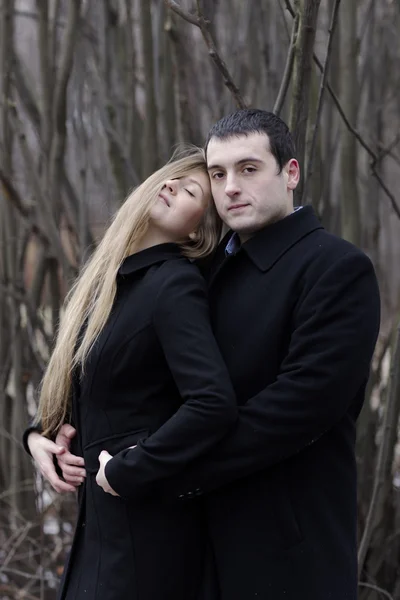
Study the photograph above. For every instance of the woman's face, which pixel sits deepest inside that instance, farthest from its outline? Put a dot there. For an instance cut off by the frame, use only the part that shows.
(181, 205)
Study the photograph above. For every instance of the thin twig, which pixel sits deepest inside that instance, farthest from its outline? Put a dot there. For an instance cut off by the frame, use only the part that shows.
(376, 589)
(367, 148)
(321, 95)
(386, 151)
(364, 144)
(203, 24)
(181, 12)
(290, 8)
(288, 69)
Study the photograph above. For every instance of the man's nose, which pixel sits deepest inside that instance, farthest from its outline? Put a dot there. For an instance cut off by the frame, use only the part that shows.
(171, 185)
(232, 188)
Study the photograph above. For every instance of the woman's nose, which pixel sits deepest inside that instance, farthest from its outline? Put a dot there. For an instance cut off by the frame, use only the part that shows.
(171, 185)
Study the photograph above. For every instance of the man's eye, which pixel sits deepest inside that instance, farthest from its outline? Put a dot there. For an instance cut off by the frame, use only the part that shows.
(249, 169)
(190, 193)
(217, 175)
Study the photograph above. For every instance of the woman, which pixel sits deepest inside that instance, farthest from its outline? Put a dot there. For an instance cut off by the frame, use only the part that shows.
(136, 355)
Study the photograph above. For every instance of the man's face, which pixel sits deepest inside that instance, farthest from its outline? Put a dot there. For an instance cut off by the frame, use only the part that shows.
(248, 191)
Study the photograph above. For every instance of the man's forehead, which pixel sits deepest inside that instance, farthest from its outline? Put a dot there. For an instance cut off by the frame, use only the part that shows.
(236, 148)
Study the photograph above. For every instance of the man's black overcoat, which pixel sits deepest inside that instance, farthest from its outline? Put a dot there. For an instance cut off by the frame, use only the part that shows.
(296, 315)
(156, 375)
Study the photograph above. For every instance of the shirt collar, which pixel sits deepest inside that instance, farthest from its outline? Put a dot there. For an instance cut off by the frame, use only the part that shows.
(148, 257)
(270, 243)
(234, 244)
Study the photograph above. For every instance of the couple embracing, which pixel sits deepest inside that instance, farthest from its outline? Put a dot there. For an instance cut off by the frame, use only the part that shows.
(203, 393)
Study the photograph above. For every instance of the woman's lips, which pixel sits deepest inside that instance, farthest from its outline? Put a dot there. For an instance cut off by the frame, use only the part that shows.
(165, 199)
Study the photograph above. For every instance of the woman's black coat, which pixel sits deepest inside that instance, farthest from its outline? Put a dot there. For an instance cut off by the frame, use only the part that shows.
(155, 378)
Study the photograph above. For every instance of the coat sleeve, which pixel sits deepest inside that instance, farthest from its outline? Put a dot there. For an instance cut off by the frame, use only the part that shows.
(333, 337)
(208, 409)
(32, 427)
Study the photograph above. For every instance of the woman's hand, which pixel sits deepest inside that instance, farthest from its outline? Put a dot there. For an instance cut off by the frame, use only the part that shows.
(43, 452)
(101, 478)
(72, 466)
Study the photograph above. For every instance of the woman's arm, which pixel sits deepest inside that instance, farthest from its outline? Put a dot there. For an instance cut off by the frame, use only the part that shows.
(208, 410)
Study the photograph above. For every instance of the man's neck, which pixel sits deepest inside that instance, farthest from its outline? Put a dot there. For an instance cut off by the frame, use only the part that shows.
(247, 235)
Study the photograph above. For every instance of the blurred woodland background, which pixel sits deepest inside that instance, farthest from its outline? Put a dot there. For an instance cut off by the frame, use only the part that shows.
(94, 95)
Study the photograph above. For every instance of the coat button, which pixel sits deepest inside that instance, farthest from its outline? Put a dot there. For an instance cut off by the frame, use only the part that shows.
(198, 492)
(181, 496)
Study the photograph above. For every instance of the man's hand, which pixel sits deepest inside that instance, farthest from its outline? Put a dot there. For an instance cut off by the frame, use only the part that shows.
(43, 451)
(70, 465)
(101, 479)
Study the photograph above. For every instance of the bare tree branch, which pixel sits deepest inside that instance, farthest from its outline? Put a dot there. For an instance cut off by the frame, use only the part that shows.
(203, 25)
(53, 235)
(376, 589)
(290, 8)
(288, 69)
(363, 143)
(307, 12)
(181, 12)
(321, 98)
(60, 99)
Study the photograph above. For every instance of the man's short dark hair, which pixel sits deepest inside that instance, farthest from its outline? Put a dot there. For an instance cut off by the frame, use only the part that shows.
(253, 120)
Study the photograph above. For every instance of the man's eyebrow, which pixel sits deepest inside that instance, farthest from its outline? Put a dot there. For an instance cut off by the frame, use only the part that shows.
(242, 161)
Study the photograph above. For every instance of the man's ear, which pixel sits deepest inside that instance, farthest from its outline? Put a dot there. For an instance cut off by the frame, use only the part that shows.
(292, 169)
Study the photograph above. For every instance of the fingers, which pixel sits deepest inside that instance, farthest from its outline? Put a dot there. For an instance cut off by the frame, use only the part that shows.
(74, 475)
(41, 446)
(48, 471)
(65, 435)
(70, 459)
(104, 456)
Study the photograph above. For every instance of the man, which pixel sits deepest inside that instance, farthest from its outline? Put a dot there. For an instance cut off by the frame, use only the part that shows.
(296, 314)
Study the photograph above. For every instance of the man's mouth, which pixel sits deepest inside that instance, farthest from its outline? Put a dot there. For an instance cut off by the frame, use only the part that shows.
(237, 206)
(165, 199)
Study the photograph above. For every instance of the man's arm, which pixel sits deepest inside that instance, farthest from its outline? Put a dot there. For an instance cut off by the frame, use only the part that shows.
(334, 333)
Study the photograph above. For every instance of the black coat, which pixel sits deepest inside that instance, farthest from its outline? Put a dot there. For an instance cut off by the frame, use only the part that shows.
(155, 359)
(296, 315)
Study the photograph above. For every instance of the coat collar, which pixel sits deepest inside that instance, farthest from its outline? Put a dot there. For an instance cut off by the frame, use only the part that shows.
(148, 257)
(269, 244)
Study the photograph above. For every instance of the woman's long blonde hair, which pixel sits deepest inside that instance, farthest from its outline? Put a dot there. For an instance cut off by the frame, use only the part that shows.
(91, 298)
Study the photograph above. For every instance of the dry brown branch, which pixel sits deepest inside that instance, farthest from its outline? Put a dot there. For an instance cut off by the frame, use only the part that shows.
(181, 12)
(384, 462)
(376, 589)
(50, 224)
(290, 8)
(60, 100)
(287, 74)
(363, 143)
(356, 134)
(321, 95)
(13, 196)
(203, 25)
(45, 73)
(307, 11)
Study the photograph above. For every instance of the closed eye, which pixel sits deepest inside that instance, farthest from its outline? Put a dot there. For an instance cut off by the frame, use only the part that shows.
(190, 193)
